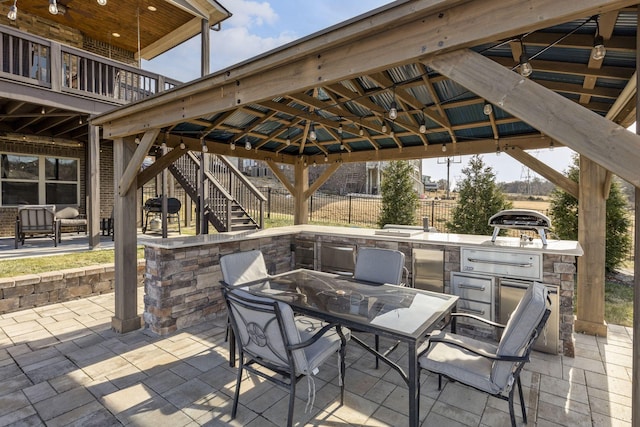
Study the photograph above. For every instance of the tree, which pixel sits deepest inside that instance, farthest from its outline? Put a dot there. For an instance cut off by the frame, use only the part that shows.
(564, 212)
(399, 199)
(479, 197)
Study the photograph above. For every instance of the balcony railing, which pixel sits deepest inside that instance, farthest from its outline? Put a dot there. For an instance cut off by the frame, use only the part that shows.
(45, 63)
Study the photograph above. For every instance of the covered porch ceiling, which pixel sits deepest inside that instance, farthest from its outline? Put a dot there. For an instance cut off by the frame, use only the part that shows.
(440, 62)
(147, 27)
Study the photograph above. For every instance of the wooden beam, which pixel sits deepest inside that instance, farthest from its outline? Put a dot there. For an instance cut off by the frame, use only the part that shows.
(541, 168)
(608, 144)
(405, 32)
(129, 176)
(159, 165)
(326, 174)
(301, 210)
(93, 186)
(592, 229)
(126, 316)
(281, 176)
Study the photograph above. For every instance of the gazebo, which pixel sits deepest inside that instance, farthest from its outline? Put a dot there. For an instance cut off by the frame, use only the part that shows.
(407, 81)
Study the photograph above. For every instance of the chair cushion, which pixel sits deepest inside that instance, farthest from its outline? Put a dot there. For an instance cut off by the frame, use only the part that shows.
(243, 267)
(67, 213)
(459, 364)
(517, 333)
(377, 265)
(319, 351)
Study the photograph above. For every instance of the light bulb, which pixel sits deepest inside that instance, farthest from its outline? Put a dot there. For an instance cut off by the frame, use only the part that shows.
(599, 51)
(53, 7)
(314, 164)
(444, 147)
(384, 128)
(392, 134)
(102, 2)
(340, 129)
(182, 145)
(525, 67)
(205, 149)
(247, 144)
(393, 111)
(423, 128)
(551, 146)
(233, 145)
(288, 141)
(13, 12)
(312, 133)
(487, 109)
(342, 147)
(326, 158)
(361, 131)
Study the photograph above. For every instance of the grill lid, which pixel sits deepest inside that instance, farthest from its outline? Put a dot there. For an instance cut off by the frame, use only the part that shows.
(520, 219)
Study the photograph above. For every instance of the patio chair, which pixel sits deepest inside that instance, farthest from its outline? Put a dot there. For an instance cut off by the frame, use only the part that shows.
(269, 336)
(69, 219)
(484, 366)
(377, 266)
(36, 221)
(243, 267)
(237, 269)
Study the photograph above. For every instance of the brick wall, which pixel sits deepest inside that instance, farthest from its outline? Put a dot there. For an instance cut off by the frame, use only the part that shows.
(108, 51)
(35, 290)
(8, 214)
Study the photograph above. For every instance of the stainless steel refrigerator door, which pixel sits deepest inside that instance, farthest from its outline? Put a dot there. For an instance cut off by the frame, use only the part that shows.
(427, 269)
(511, 292)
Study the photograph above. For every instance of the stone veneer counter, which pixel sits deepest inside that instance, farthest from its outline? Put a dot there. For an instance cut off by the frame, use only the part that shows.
(182, 277)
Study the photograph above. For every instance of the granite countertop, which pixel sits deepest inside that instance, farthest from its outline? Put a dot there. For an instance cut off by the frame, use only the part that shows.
(564, 247)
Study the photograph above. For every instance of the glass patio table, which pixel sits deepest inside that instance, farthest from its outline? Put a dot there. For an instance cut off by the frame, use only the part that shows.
(401, 313)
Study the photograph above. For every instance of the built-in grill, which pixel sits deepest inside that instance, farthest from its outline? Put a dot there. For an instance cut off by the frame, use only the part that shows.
(520, 219)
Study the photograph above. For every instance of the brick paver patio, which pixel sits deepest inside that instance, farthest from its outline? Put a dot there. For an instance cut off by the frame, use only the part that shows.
(62, 365)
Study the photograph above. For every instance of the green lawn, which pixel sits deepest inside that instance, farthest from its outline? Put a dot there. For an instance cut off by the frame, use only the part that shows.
(618, 304)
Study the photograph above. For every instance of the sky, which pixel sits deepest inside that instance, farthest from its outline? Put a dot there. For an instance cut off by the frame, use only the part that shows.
(259, 26)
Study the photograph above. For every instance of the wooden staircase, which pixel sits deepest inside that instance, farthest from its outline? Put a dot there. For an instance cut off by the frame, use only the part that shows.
(231, 202)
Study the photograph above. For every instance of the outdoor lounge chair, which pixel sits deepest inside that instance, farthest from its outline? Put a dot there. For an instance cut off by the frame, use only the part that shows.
(484, 366)
(269, 336)
(378, 266)
(69, 219)
(36, 221)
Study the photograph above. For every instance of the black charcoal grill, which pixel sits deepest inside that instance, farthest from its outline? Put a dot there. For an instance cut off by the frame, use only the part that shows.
(153, 207)
(520, 219)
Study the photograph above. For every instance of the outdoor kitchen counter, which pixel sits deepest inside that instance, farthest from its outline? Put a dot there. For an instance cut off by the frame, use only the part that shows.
(182, 274)
(560, 247)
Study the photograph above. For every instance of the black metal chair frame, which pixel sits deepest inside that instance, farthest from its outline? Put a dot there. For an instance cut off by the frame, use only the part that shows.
(248, 359)
(519, 360)
(154, 207)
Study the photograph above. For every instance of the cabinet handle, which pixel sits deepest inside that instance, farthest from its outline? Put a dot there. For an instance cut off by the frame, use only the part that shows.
(488, 261)
(473, 287)
(471, 311)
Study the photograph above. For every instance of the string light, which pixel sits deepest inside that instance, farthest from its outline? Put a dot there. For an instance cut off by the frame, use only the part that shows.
(247, 144)
(599, 51)
(487, 109)
(312, 133)
(53, 7)
(444, 147)
(233, 145)
(525, 67)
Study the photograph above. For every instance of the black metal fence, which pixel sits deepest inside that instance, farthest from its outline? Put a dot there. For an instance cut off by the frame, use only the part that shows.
(356, 210)
(360, 210)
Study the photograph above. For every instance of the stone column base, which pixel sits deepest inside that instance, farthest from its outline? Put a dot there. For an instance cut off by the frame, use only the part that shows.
(591, 328)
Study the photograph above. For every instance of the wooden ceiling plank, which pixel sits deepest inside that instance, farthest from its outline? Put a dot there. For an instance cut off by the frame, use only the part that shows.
(438, 104)
(545, 171)
(591, 135)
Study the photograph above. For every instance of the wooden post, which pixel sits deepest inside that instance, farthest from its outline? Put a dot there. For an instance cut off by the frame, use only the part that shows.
(126, 317)
(592, 228)
(301, 212)
(635, 394)
(93, 186)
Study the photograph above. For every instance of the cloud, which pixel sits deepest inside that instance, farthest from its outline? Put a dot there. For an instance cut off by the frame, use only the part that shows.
(251, 13)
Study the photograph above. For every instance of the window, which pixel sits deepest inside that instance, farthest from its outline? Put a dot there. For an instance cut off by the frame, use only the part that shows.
(27, 179)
